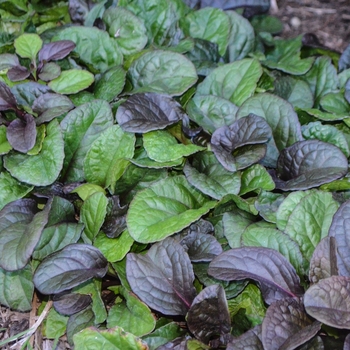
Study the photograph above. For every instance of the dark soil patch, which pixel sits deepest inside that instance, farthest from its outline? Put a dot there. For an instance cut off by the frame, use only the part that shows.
(328, 20)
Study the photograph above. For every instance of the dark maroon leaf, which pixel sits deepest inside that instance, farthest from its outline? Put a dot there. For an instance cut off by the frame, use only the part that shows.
(18, 73)
(163, 278)
(328, 301)
(176, 344)
(78, 10)
(69, 267)
(69, 304)
(276, 276)
(148, 111)
(201, 246)
(250, 130)
(20, 232)
(209, 316)
(21, 134)
(250, 340)
(323, 263)
(308, 164)
(49, 71)
(7, 99)
(285, 319)
(232, 4)
(51, 105)
(115, 221)
(340, 230)
(347, 342)
(56, 50)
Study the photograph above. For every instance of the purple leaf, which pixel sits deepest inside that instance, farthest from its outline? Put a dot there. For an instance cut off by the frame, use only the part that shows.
(284, 320)
(69, 267)
(276, 276)
(7, 99)
(163, 278)
(56, 50)
(8, 60)
(21, 134)
(69, 304)
(250, 340)
(18, 73)
(209, 315)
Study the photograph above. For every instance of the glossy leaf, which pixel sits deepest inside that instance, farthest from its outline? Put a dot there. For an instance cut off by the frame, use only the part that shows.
(56, 50)
(131, 314)
(234, 81)
(106, 160)
(67, 272)
(209, 315)
(5, 146)
(250, 340)
(21, 133)
(18, 73)
(72, 81)
(328, 301)
(339, 230)
(166, 207)
(256, 178)
(80, 128)
(19, 238)
(94, 46)
(69, 304)
(277, 278)
(208, 176)
(78, 322)
(146, 112)
(128, 30)
(286, 319)
(41, 169)
(163, 278)
(26, 93)
(308, 164)
(17, 289)
(162, 72)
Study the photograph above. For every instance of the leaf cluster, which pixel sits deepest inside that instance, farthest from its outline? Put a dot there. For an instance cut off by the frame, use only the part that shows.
(173, 176)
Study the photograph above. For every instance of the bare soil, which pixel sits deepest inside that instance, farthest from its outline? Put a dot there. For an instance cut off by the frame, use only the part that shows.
(329, 20)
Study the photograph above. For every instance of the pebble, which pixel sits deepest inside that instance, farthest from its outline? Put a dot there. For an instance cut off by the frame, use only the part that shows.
(295, 22)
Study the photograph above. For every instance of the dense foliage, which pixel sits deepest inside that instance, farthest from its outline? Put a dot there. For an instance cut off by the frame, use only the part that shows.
(173, 176)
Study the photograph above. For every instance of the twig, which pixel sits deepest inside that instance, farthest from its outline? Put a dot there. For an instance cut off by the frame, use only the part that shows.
(36, 325)
(319, 11)
(273, 6)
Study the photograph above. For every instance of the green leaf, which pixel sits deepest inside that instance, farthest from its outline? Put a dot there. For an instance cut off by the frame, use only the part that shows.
(17, 288)
(156, 141)
(162, 72)
(93, 288)
(286, 57)
(92, 215)
(55, 325)
(41, 169)
(326, 133)
(211, 112)
(208, 176)
(5, 146)
(256, 178)
(114, 249)
(78, 322)
(264, 234)
(28, 45)
(164, 208)
(131, 314)
(335, 102)
(322, 78)
(110, 339)
(310, 220)
(94, 46)
(80, 128)
(267, 204)
(40, 137)
(86, 190)
(128, 30)
(106, 160)
(72, 81)
(235, 81)
(241, 38)
(210, 24)
(11, 189)
(110, 84)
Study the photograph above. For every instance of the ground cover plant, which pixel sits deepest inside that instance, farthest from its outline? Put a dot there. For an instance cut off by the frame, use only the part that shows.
(173, 176)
